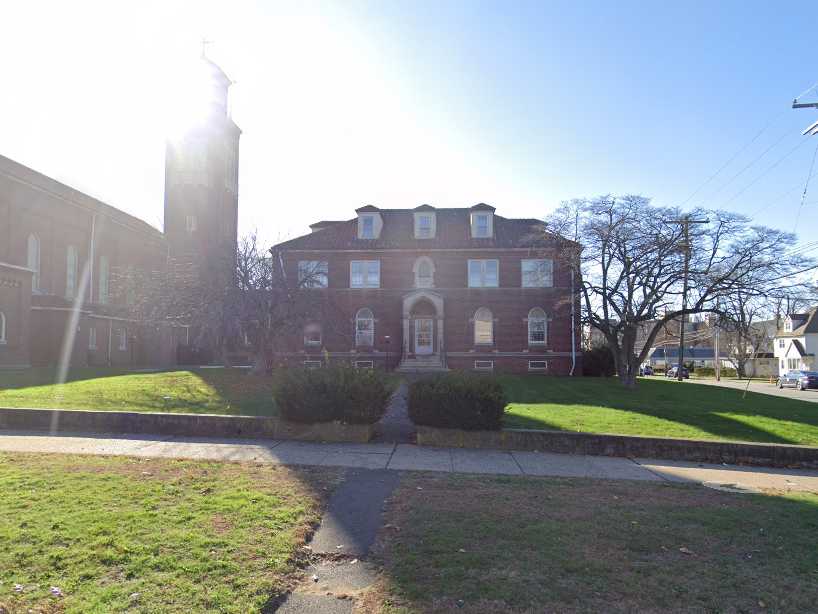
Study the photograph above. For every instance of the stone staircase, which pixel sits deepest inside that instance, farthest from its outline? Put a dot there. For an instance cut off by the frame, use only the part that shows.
(421, 364)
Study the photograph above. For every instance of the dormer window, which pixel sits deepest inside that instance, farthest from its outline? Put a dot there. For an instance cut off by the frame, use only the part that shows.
(788, 325)
(482, 221)
(370, 222)
(368, 227)
(424, 222)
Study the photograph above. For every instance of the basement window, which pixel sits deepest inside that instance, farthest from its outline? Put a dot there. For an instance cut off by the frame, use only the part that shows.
(364, 364)
(537, 365)
(312, 364)
(484, 365)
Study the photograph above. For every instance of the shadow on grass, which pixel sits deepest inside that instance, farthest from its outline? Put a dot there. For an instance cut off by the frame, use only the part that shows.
(722, 412)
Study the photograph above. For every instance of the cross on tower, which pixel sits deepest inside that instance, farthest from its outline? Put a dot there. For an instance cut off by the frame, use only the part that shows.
(205, 43)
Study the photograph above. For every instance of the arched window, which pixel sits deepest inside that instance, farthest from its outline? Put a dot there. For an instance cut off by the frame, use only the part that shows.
(33, 261)
(2, 327)
(103, 281)
(483, 327)
(365, 327)
(312, 334)
(424, 270)
(537, 324)
(71, 262)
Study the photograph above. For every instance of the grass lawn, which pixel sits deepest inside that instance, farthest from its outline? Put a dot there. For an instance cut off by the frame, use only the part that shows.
(200, 391)
(116, 534)
(657, 408)
(550, 545)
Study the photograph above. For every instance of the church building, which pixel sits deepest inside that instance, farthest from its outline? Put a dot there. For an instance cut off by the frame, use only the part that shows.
(60, 249)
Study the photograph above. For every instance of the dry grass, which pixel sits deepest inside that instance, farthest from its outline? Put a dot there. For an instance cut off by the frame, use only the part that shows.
(477, 544)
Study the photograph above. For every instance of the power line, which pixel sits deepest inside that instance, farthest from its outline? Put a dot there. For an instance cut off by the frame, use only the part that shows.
(776, 163)
(806, 186)
(777, 199)
(750, 164)
(733, 157)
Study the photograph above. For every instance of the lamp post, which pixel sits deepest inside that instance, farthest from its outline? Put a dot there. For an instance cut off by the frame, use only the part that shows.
(388, 340)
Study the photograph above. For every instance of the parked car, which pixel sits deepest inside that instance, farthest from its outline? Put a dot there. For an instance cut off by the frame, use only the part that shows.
(800, 380)
(646, 370)
(674, 372)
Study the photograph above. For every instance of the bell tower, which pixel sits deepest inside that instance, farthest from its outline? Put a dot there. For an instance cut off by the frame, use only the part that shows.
(201, 178)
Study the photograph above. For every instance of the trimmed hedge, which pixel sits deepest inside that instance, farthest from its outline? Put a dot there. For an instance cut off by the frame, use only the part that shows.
(711, 372)
(353, 396)
(458, 401)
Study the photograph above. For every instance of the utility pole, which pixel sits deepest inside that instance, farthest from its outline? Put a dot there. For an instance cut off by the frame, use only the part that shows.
(685, 245)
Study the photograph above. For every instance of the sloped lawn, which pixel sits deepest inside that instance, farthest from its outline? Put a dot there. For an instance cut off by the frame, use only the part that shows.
(119, 534)
(200, 391)
(657, 408)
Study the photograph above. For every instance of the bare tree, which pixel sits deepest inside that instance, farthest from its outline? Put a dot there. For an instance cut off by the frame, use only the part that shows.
(745, 333)
(631, 267)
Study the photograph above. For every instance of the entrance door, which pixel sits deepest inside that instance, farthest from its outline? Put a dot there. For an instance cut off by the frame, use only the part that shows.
(424, 333)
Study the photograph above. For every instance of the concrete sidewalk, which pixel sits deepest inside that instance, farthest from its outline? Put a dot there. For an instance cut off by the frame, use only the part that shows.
(407, 457)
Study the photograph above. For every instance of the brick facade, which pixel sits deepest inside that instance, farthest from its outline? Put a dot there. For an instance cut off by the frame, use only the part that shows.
(449, 303)
(61, 250)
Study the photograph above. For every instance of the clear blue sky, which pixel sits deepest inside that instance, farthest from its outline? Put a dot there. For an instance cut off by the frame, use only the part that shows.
(517, 104)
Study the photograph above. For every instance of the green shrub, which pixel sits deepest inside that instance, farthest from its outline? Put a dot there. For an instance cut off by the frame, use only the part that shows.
(711, 372)
(458, 401)
(598, 362)
(354, 396)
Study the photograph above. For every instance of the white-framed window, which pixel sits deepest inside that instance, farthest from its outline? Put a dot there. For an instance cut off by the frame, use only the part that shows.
(484, 365)
(365, 274)
(312, 364)
(788, 325)
(368, 227)
(33, 260)
(71, 268)
(92, 338)
(781, 343)
(2, 328)
(537, 365)
(365, 327)
(537, 273)
(313, 273)
(537, 326)
(104, 272)
(364, 364)
(123, 339)
(484, 273)
(483, 327)
(191, 224)
(424, 270)
(312, 334)
(424, 226)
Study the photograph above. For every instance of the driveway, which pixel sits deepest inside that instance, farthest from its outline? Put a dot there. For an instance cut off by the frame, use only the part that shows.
(763, 388)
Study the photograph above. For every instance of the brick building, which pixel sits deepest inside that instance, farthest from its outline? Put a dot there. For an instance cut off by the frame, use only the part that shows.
(429, 289)
(60, 249)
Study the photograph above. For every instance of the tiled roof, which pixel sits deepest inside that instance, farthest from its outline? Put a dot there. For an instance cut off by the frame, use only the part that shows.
(453, 231)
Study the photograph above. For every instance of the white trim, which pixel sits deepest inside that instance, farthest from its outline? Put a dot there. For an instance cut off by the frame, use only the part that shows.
(491, 326)
(16, 267)
(547, 277)
(482, 262)
(537, 318)
(364, 264)
(92, 338)
(122, 334)
(544, 366)
(34, 253)
(3, 340)
(367, 337)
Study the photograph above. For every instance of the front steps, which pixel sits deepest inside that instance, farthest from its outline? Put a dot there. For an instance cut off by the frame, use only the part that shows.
(424, 364)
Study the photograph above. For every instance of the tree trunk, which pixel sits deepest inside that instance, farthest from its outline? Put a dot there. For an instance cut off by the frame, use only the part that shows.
(626, 360)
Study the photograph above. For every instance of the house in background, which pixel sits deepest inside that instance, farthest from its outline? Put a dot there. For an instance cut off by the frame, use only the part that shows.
(796, 344)
(428, 289)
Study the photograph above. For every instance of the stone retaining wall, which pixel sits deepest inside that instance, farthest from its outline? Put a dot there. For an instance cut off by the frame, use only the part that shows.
(564, 442)
(191, 425)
